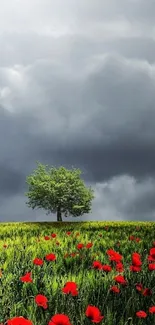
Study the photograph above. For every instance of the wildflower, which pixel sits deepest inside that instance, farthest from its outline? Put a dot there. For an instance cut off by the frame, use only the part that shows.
(94, 314)
(106, 268)
(152, 310)
(19, 321)
(53, 235)
(147, 292)
(59, 319)
(46, 237)
(41, 300)
(26, 277)
(79, 246)
(137, 239)
(131, 237)
(119, 267)
(89, 245)
(97, 265)
(152, 252)
(139, 286)
(115, 289)
(151, 266)
(141, 314)
(38, 261)
(120, 279)
(70, 287)
(50, 257)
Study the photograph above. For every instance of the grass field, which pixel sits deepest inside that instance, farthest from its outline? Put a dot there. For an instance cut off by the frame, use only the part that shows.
(77, 273)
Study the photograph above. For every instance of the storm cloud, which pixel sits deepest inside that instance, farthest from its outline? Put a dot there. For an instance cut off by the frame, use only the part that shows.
(77, 88)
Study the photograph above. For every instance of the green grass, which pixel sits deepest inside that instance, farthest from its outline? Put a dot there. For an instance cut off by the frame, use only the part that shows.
(17, 298)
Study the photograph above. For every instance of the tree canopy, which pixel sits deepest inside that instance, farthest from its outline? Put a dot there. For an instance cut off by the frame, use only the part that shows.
(58, 190)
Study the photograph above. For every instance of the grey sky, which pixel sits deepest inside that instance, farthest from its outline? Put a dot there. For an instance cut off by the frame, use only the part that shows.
(77, 87)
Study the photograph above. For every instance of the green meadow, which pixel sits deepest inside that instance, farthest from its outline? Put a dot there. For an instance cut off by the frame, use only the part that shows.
(77, 273)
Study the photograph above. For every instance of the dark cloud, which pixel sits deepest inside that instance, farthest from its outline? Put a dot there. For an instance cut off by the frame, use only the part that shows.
(77, 89)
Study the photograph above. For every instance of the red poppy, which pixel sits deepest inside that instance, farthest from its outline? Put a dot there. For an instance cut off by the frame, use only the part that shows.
(147, 292)
(131, 237)
(46, 237)
(50, 257)
(152, 310)
(152, 252)
(70, 287)
(26, 277)
(19, 321)
(106, 268)
(97, 265)
(137, 240)
(115, 289)
(120, 279)
(119, 267)
(38, 261)
(41, 300)
(134, 268)
(141, 314)
(59, 319)
(79, 246)
(89, 245)
(139, 286)
(151, 267)
(94, 314)
(53, 235)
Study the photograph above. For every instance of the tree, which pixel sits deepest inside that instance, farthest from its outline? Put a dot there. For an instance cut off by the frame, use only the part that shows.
(58, 190)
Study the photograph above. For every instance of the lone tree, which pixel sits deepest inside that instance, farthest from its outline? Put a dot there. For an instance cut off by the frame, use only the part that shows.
(58, 190)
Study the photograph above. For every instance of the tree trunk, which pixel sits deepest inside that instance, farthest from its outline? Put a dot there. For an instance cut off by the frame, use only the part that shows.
(59, 217)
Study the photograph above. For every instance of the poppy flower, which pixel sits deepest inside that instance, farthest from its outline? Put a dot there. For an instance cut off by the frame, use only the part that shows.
(152, 252)
(94, 314)
(26, 277)
(19, 321)
(97, 265)
(119, 267)
(41, 301)
(53, 235)
(120, 279)
(70, 287)
(139, 286)
(38, 261)
(115, 289)
(106, 268)
(50, 257)
(79, 246)
(59, 319)
(147, 292)
(152, 310)
(46, 237)
(141, 314)
(151, 266)
(89, 245)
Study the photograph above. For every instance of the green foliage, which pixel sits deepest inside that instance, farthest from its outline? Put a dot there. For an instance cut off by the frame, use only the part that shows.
(53, 188)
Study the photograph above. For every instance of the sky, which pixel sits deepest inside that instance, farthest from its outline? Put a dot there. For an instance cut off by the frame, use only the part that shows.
(77, 88)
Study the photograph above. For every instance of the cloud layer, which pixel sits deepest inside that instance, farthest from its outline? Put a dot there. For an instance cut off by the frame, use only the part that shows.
(77, 87)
